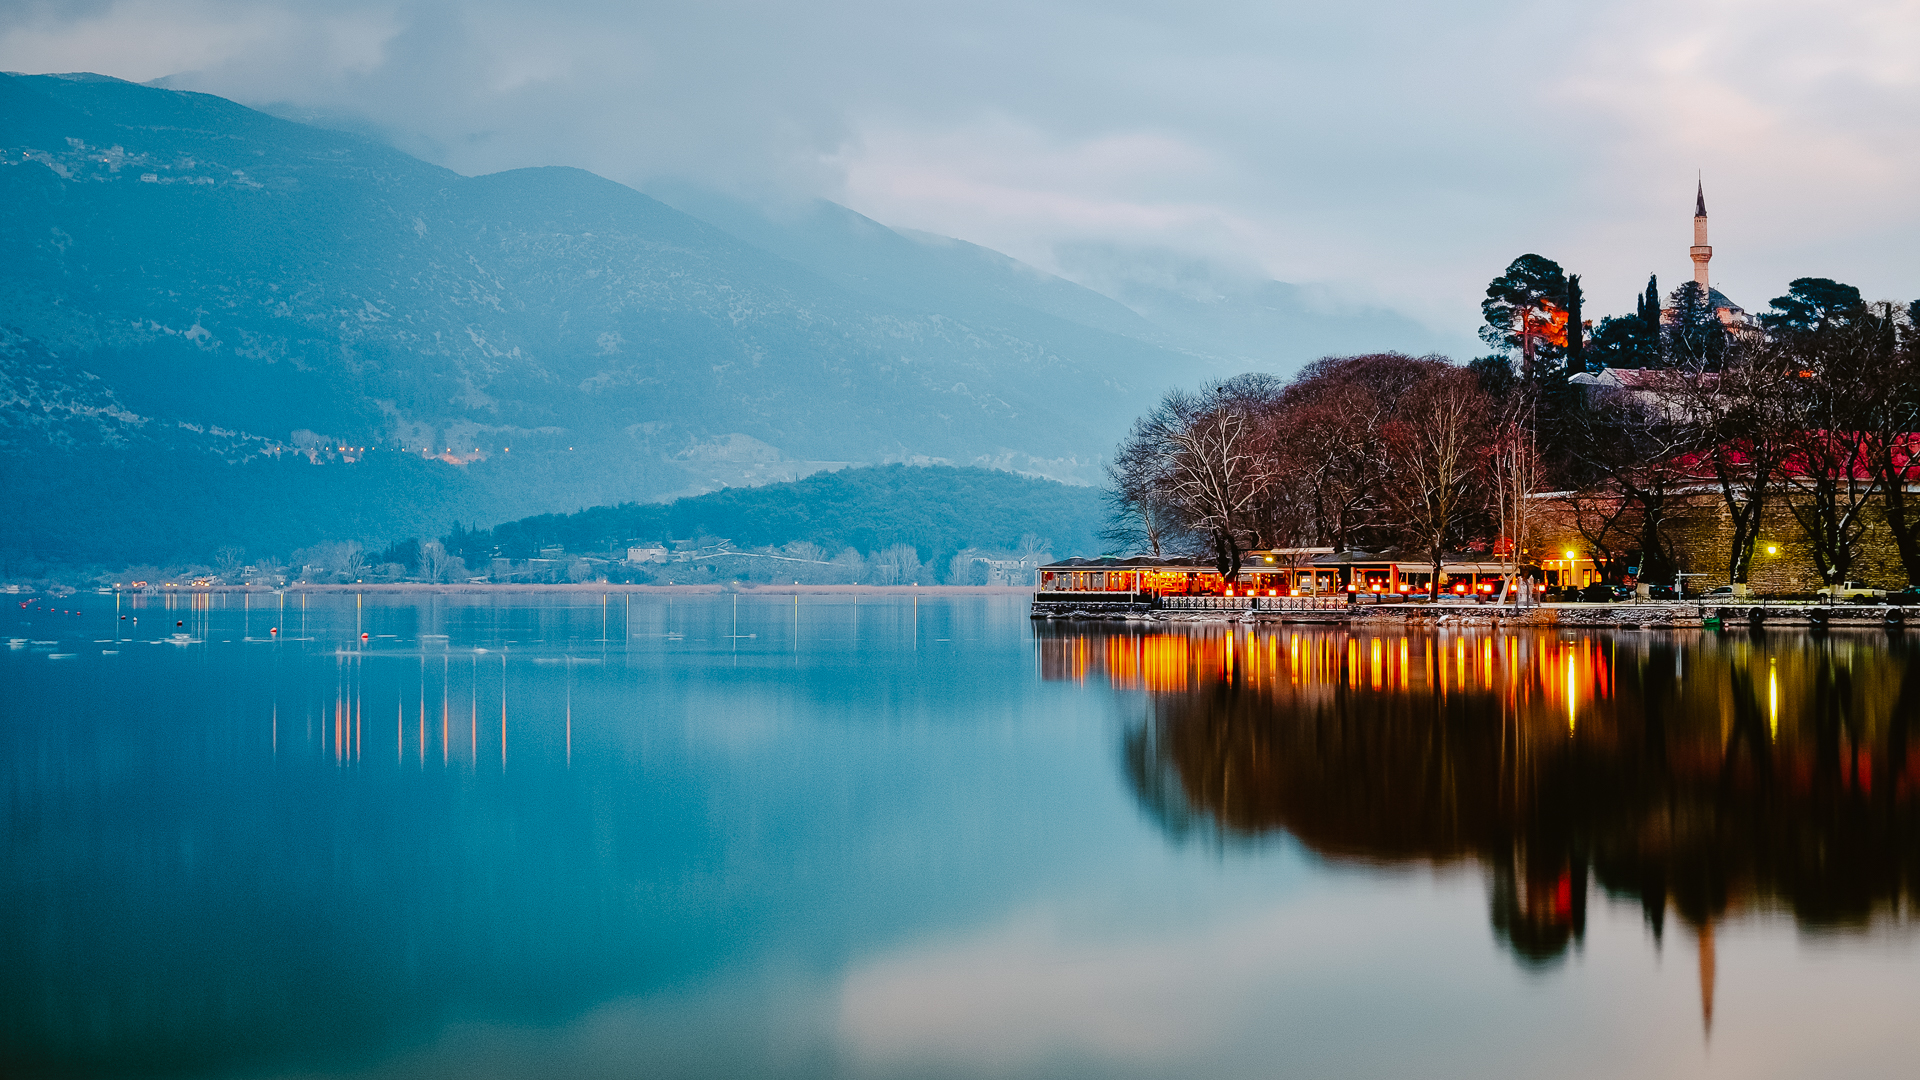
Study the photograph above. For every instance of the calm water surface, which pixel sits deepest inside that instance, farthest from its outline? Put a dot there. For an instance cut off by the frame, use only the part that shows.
(826, 836)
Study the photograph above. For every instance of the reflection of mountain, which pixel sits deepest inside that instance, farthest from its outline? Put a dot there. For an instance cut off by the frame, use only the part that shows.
(1708, 778)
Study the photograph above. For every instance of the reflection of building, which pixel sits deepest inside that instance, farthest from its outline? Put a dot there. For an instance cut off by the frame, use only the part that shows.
(1703, 781)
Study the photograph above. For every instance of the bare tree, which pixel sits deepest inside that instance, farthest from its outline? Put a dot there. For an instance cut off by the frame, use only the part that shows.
(1331, 460)
(1828, 467)
(1738, 414)
(351, 558)
(1514, 471)
(1633, 443)
(897, 565)
(1193, 464)
(1436, 444)
(1139, 517)
(1034, 550)
(437, 564)
(227, 561)
(848, 567)
(1892, 442)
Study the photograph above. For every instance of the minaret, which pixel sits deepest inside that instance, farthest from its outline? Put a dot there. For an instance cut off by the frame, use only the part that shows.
(1700, 252)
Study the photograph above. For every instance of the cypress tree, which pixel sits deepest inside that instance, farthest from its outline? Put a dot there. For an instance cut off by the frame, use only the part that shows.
(1576, 334)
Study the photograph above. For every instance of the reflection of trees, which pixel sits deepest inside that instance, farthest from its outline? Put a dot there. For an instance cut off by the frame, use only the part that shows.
(1706, 779)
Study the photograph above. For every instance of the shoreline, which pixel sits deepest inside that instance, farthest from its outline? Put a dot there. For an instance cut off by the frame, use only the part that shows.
(415, 588)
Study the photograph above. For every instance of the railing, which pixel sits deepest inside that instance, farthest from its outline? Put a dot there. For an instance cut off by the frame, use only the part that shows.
(1207, 603)
(1253, 603)
(1302, 603)
(1091, 596)
(1103, 600)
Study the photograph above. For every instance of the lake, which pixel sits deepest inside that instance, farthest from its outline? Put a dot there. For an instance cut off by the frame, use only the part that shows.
(529, 835)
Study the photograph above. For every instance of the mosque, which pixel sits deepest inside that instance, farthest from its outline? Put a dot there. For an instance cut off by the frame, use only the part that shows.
(1731, 314)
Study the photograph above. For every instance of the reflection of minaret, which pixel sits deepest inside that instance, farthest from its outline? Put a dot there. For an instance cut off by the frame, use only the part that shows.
(1706, 976)
(1700, 252)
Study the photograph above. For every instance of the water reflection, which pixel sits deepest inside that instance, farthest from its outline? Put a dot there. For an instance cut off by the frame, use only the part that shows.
(1700, 778)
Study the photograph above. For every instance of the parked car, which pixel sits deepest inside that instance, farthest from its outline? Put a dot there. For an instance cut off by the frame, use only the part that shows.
(1907, 596)
(1596, 593)
(1853, 591)
(1661, 592)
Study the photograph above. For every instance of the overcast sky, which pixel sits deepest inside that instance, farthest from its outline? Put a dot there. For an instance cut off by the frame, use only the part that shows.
(1402, 152)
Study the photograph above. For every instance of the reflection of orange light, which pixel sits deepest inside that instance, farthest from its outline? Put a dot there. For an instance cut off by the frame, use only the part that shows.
(1573, 691)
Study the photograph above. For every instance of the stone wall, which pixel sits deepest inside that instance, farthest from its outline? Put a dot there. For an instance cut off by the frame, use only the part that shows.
(1702, 536)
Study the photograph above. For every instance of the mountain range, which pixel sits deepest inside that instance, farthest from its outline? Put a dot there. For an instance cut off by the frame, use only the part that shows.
(222, 327)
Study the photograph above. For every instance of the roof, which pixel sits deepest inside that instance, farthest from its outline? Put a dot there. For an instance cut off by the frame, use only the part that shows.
(1136, 562)
(1700, 200)
(1454, 563)
(1717, 300)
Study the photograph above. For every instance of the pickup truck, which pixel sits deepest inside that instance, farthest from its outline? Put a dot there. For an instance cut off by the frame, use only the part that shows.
(1851, 590)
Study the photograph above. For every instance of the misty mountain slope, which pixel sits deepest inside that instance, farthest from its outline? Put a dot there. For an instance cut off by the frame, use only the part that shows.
(557, 339)
(1222, 323)
(918, 271)
(1246, 320)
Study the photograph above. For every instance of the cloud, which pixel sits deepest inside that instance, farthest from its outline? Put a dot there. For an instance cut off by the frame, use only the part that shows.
(1404, 152)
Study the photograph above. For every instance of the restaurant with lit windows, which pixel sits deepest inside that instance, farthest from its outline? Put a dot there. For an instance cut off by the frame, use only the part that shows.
(1276, 572)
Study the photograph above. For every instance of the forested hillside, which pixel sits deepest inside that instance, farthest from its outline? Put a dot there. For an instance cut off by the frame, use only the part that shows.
(937, 510)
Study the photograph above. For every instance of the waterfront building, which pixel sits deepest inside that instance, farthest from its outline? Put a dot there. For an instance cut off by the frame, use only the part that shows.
(1272, 572)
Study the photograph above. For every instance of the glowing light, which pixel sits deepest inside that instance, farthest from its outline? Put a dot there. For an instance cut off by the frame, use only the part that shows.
(1773, 701)
(1569, 554)
(1573, 700)
(1772, 550)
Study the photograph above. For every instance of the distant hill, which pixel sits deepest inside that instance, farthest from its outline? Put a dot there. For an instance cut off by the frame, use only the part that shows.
(937, 510)
(232, 290)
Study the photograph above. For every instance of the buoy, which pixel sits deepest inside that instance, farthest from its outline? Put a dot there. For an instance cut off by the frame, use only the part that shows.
(275, 630)
(363, 637)
(180, 622)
